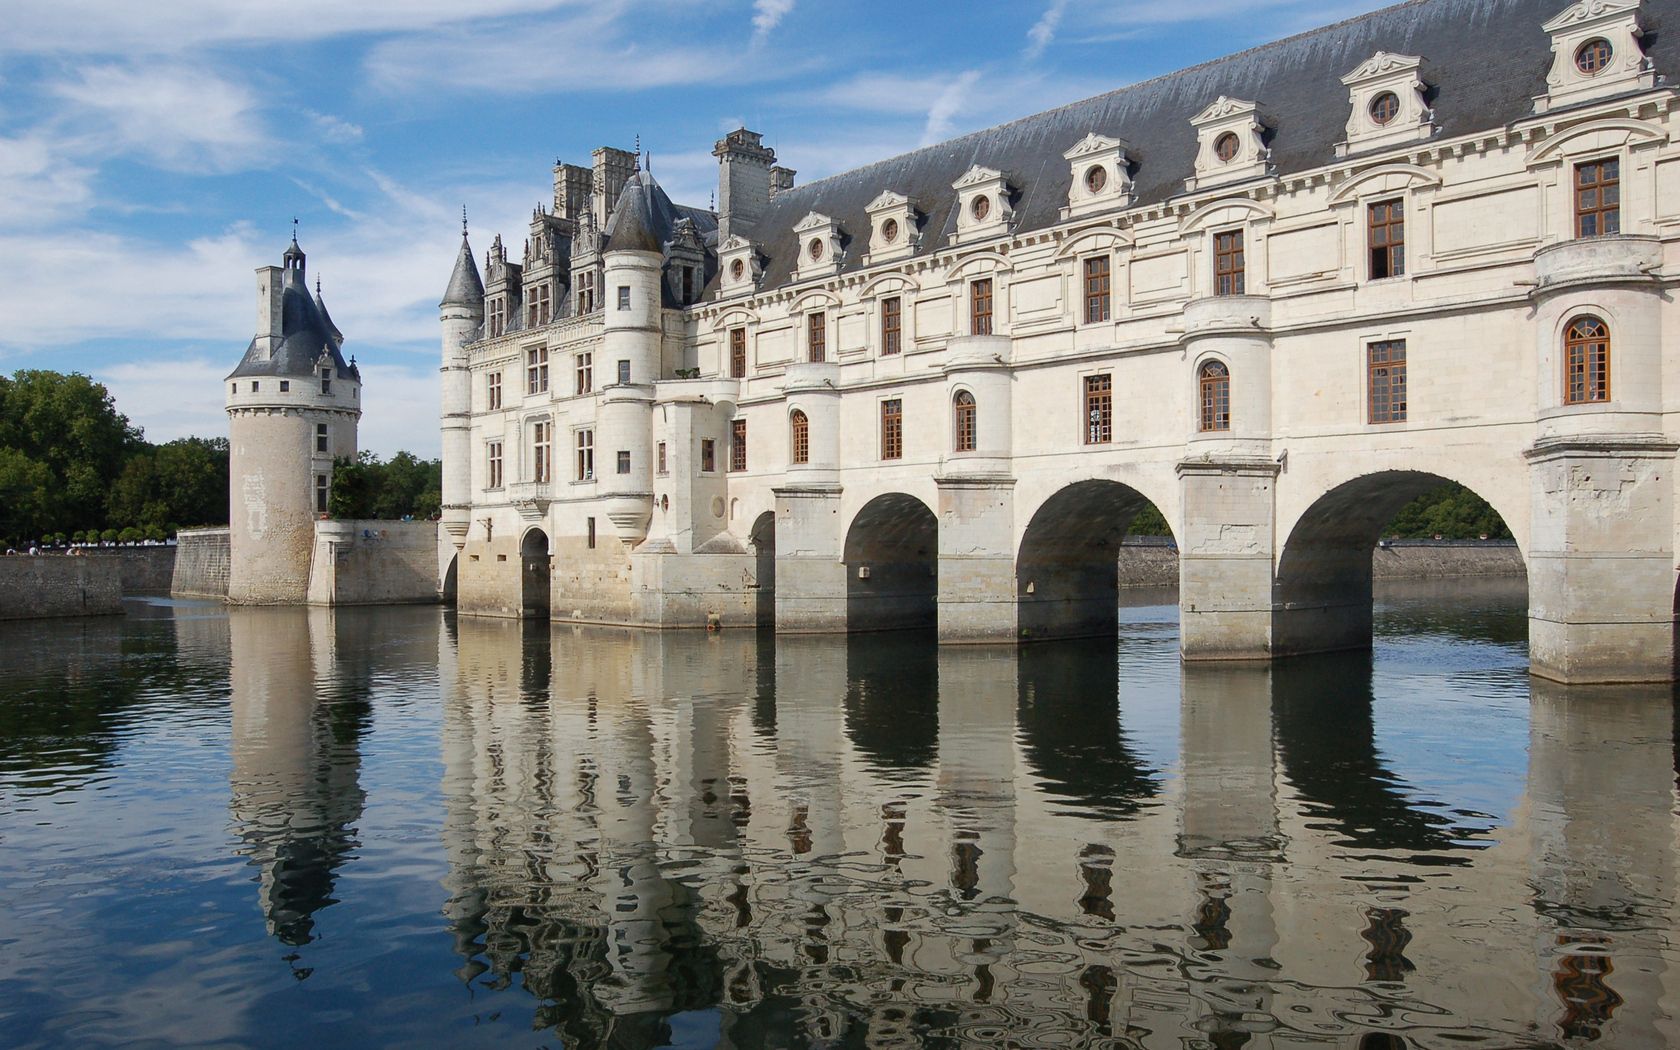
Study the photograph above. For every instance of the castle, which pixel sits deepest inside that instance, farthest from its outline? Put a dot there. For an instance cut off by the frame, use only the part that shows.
(1277, 296)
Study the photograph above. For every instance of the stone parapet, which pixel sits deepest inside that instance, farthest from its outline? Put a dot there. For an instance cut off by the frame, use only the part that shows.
(1597, 260)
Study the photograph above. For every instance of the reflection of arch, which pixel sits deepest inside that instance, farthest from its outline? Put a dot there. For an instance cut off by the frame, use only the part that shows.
(892, 702)
(533, 573)
(1322, 593)
(763, 540)
(1068, 718)
(1067, 576)
(892, 565)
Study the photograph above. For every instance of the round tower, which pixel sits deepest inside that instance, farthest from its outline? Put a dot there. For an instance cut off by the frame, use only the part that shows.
(630, 349)
(293, 404)
(461, 316)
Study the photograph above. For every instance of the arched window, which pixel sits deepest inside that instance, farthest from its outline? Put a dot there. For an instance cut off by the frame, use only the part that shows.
(1216, 397)
(801, 428)
(962, 419)
(1586, 361)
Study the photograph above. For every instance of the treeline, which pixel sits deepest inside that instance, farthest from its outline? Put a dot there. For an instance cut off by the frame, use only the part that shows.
(73, 467)
(1451, 512)
(405, 486)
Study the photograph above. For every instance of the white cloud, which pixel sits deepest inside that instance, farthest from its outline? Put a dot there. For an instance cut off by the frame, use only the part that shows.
(170, 397)
(400, 407)
(767, 15)
(39, 184)
(185, 118)
(335, 129)
(941, 116)
(1044, 30)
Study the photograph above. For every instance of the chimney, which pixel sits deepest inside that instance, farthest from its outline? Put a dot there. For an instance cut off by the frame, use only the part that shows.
(613, 168)
(572, 192)
(743, 181)
(270, 294)
(781, 180)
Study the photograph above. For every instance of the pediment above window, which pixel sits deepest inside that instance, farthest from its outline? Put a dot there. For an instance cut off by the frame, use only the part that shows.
(894, 226)
(739, 266)
(1596, 53)
(1386, 97)
(1231, 144)
(984, 208)
(1101, 176)
(819, 246)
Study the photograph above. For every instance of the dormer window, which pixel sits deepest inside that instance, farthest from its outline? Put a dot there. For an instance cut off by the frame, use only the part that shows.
(816, 250)
(983, 200)
(1386, 104)
(1095, 179)
(737, 269)
(326, 381)
(1099, 176)
(889, 231)
(892, 221)
(1227, 147)
(819, 253)
(1232, 144)
(981, 208)
(1596, 53)
(738, 265)
(1384, 108)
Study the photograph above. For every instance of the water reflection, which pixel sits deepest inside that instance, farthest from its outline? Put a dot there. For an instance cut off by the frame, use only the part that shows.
(695, 840)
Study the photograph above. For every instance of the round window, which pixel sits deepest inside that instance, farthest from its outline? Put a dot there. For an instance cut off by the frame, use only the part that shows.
(1593, 56)
(1384, 108)
(1096, 178)
(1226, 146)
(816, 248)
(889, 231)
(981, 208)
(737, 269)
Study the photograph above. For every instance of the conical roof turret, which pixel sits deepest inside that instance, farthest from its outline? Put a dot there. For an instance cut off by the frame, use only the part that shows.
(465, 286)
(321, 305)
(642, 220)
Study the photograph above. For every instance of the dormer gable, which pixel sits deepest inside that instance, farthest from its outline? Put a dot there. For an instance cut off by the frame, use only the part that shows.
(1386, 99)
(983, 205)
(740, 266)
(1102, 177)
(1596, 53)
(1231, 144)
(894, 227)
(819, 246)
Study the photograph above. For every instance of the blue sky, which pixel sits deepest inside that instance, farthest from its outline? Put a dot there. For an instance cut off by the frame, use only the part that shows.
(152, 155)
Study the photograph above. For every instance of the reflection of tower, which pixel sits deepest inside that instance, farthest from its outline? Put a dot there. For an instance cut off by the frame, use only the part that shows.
(1230, 835)
(1601, 791)
(296, 761)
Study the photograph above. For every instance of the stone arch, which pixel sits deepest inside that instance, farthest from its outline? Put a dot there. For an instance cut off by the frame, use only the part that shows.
(534, 560)
(892, 565)
(1321, 591)
(1067, 571)
(449, 589)
(763, 540)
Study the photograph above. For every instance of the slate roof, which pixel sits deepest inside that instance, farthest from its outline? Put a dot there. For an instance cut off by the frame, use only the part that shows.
(644, 217)
(465, 287)
(306, 330)
(1485, 61)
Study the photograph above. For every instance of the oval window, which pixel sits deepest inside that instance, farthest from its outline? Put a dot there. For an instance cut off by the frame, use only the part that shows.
(1226, 146)
(737, 269)
(1593, 56)
(816, 248)
(889, 231)
(981, 208)
(1384, 108)
(1096, 178)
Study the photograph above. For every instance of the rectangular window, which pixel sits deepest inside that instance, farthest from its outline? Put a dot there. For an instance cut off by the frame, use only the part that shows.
(586, 291)
(493, 389)
(585, 455)
(1385, 365)
(624, 373)
(585, 372)
(737, 353)
(816, 336)
(589, 524)
(688, 284)
(1228, 263)
(1598, 198)
(493, 461)
(663, 469)
(321, 438)
(326, 381)
(623, 461)
(255, 386)
(537, 305)
(542, 451)
(892, 429)
(320, 493)
(1387, 236)
(708, 455)
(624, 297)
(285, 386)
(892, 325)
(738, 444)
(980, 307)
(1099, 409)
(536, 370)
(1098, 299)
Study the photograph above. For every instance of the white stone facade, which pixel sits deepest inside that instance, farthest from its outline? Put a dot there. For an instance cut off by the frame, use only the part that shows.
(1002, 530)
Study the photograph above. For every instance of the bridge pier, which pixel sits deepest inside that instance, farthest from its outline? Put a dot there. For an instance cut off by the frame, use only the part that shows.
(1601, 580)
(810, 572)
(977, 600)
(1225, 558)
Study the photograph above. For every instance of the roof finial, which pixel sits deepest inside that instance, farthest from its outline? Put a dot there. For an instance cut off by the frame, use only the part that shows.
(463, 221)
(317, 284)
(294, 229)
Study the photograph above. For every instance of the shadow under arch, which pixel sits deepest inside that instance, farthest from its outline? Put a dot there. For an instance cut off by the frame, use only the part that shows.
(892, 565)
(533, 574)
(449, 587)
(1067, 573)
(1068, 717)
(1321, 593)
(763, 540)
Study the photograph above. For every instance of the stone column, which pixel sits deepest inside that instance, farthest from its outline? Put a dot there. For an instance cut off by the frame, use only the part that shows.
(976, 559)
(1225, 559)
(810, 575)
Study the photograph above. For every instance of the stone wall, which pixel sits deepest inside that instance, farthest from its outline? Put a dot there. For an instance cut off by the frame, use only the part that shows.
(364, 562)
(145, 570)
(58, 585)
(201, 564)
(1149, 564)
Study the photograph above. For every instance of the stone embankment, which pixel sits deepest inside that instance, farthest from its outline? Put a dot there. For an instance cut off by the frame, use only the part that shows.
(53, 585)
(1150, 562)
(201, 564)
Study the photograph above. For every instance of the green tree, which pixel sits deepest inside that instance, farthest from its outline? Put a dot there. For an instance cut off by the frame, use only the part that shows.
(181, 481)
(29, 495)
(366, 487)
(70, 425)
(1452, 512)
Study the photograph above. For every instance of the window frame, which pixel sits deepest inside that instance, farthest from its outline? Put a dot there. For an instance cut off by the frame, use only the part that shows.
(981, 320)
(965, 422)
(536, 370)
(493, 464)
(662, 463)
(1384, 219)
(1230, 263)
(623, 461)
(1595, 387)
(1391, 365)
(542, 451)
(892, 325)
(737, 444)
(1099, 300)
(583, 372)
(816, 336)
(1213, 397)
(799, 437)
(493, 390)
(708, 455)
(738, 352)
(1598, 212)
(892, 428)
(583, 442)
(323, 439)
(1096, 420)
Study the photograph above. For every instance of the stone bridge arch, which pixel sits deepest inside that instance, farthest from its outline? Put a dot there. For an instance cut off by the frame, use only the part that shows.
(891, 557)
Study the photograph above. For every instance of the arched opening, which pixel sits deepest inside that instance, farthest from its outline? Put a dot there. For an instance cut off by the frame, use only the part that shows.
(1214, 385)
(533, 574)
(964, 423)
(892, 565)
(1067, 575)
(763, 539)
(1323, 590)
(799, 437)
(450, 586)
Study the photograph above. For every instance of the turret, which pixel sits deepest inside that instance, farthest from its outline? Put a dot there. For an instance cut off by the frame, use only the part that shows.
(461, 315)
